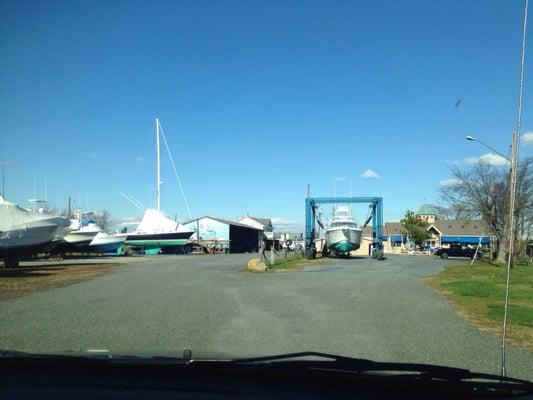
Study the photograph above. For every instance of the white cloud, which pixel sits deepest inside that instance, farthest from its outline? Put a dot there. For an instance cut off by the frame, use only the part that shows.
(450, 162)
(339, 178)
(527, 138)
(128, 221)
(93, 155)
(369, 174)
(489, 158)
(449, 182)
(281, 221)
(139, 160)
(282, 224)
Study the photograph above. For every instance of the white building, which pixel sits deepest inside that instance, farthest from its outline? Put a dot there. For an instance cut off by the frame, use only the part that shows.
(264, 224)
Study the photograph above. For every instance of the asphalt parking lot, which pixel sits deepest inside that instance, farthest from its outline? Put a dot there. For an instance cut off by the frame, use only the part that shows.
(164, 304)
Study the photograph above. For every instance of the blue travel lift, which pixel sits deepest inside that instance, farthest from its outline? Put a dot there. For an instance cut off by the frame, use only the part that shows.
(375, 214)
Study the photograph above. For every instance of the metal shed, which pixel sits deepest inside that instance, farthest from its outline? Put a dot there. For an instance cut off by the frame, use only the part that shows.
(241, 238)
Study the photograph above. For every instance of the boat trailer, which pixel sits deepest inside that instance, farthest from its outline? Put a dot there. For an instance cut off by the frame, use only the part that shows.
(376, 216)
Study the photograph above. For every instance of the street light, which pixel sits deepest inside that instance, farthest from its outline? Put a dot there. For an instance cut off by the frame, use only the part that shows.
(512, 177)
(475, 139)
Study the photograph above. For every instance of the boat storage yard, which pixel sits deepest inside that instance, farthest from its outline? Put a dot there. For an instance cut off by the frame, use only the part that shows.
(34, 233)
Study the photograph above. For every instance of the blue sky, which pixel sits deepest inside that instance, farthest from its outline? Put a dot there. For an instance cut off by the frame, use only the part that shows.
(257, 99)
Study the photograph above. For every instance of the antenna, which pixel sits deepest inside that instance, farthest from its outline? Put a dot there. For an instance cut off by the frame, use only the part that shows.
(158, 201)
(3, 162)
(34, 190)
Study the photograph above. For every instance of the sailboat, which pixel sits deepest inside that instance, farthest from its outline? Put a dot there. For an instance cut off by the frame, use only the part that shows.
(156, 231)
(343, 235)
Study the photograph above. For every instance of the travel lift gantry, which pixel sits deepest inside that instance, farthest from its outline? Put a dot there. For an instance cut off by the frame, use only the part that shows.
(375, 214)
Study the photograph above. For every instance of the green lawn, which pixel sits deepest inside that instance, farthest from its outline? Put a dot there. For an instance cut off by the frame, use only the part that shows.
(293, 263)
(479, 293)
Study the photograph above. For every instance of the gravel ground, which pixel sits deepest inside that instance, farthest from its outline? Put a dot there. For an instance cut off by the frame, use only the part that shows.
(164, 304)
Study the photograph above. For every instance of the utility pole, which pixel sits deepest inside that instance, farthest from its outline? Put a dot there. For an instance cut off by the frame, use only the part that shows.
(3, 178)
(514, 166)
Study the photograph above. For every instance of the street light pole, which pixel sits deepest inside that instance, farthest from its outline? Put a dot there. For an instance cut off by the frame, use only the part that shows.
(475, 139)
(514, 157)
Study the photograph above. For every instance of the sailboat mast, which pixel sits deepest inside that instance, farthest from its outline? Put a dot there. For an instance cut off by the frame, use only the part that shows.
(158, 165)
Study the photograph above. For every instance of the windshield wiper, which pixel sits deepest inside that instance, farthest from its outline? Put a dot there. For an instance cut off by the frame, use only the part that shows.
(323, 365)
(422, 372)
(96, 354)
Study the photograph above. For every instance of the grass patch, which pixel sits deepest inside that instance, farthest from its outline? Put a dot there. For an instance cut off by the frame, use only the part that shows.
(293, 263)
(479, 294)
(24, 280)
(486, 289)
(516, 314)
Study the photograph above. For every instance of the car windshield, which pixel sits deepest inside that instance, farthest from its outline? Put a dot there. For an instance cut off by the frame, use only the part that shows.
(245, 179)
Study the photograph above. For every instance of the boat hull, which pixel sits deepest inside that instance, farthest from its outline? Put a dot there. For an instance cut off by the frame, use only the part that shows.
(343, 240)
(158, 240)
(33, 237)
(80, 239)
(105, 243)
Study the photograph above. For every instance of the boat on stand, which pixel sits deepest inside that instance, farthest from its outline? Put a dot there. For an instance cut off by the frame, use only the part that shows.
(156, 232)
(24, 233)
(106, 243)
(343, 235)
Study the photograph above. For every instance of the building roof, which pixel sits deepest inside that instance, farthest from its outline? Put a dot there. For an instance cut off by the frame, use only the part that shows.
(455, 227)
(393, 228)
(367, 231)
(223, 221)
(462, 227)
(426, 209)
(262, 221)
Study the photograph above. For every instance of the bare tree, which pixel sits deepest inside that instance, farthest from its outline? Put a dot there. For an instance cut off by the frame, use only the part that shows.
(104, 220)
(452, 212)
(483, 191)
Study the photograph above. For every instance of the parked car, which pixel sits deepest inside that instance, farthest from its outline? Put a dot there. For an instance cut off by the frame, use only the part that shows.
(457, 250)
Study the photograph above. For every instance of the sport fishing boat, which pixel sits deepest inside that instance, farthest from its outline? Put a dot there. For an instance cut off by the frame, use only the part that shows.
(84, 230)
(343, 235)
(156, 231)
(106, 243)
(23, 232)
